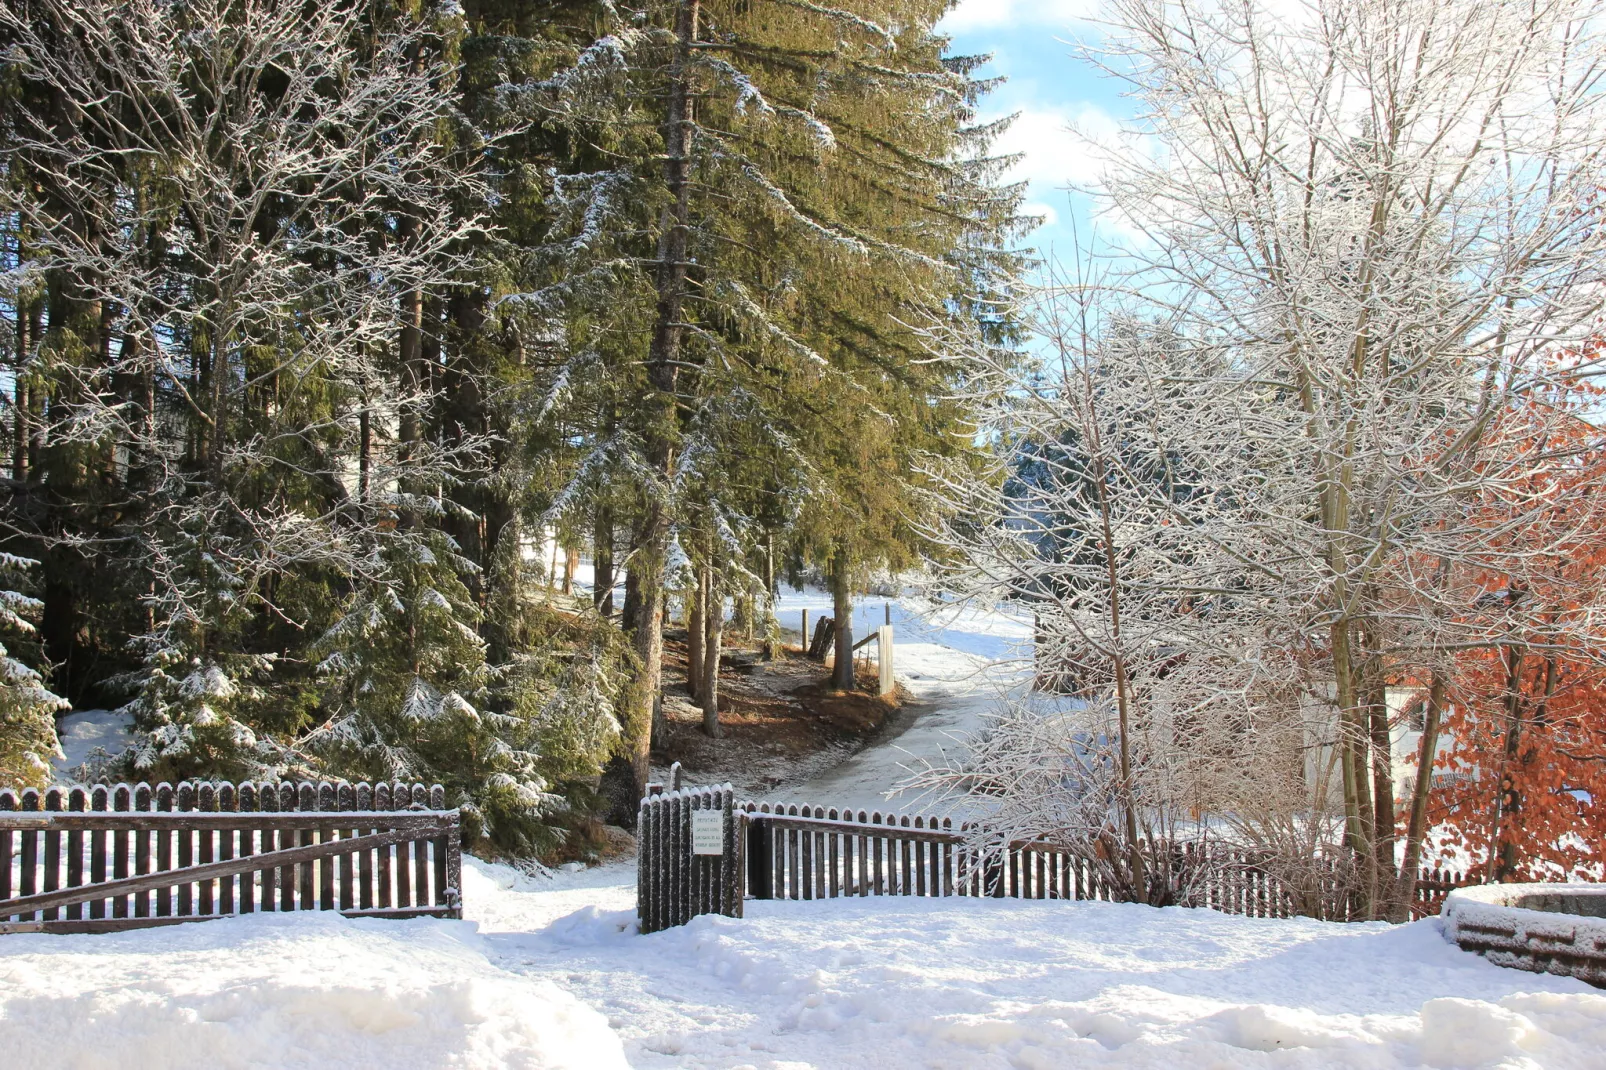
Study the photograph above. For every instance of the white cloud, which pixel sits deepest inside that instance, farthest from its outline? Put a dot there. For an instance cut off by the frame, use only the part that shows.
(995, 14)
(1059, 148)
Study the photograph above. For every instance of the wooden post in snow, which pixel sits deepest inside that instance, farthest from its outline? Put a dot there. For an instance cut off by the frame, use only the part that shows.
(884, 647)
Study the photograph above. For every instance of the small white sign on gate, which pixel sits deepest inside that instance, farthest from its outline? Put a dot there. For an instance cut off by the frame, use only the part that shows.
(707, 832)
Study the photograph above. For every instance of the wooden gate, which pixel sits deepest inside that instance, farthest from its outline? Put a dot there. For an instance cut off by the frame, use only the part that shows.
(96, 859)
(688, 856)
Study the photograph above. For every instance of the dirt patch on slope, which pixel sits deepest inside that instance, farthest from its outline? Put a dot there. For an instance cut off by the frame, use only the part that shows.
(779, 720)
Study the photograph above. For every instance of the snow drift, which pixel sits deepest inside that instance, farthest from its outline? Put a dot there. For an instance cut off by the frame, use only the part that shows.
(302, 990)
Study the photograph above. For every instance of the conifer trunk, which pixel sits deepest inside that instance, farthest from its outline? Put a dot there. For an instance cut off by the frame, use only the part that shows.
(842, 607)
(713, 639)
(602, 561)
(571, 565)
(19, 409)
(663, 362)
(769, 596)
(694, 634)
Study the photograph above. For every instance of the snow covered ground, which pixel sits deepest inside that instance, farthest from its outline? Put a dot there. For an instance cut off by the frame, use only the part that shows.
(83, 731)
(555, 976)
(293, 990)
(550, 973)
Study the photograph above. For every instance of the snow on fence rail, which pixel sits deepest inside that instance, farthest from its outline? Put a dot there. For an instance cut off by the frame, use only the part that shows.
(1541, 928)
(811, 852)
(128, 856)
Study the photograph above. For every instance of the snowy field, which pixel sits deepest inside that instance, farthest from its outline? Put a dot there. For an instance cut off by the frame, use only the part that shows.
(552, 974)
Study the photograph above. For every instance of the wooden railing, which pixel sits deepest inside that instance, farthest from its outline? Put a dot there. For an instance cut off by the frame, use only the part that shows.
(794, 851)
(101, 858)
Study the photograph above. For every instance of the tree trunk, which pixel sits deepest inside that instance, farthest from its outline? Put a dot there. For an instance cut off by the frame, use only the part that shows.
(644, 713)
(696, 598)
(660, 410)
(410, 424)
(602, 561)
(632, 604)
(1382, 779)
(769, 625)
(1353, 736)
(365, 450)
(36, 397)
(1417, 826)
(1508, 799)
(713, 638)
(571, 565)
(842, 607)
(19, 407)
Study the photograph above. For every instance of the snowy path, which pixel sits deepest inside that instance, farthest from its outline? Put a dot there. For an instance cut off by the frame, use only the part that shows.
(895, 983)
(956, 662)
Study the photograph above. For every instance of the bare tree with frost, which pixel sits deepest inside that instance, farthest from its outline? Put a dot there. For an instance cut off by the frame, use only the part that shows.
(1369, 229)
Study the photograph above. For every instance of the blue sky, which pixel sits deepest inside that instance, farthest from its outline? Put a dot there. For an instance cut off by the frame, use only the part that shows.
(1033, 44)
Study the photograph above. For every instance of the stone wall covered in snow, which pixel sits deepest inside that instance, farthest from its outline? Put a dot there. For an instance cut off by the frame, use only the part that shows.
(1543, 928)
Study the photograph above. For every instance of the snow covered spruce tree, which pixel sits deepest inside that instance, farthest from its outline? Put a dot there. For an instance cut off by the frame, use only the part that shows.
(27, 707)
(229, 205)
(785, 182)
(412, 692)
(1369, 229)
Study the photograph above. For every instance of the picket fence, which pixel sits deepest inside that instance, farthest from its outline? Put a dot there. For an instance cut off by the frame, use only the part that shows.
(812, 852)
(126, 856)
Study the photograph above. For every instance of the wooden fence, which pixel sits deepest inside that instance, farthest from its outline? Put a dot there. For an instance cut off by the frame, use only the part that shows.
(811, 852)
(824, 635)
(95, 859)
(688, 855)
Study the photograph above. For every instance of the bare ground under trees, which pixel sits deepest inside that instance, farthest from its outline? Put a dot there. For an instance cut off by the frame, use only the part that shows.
(781, 721)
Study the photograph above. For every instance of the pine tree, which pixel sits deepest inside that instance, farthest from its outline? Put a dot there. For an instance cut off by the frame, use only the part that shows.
(801, 152)
(27, 706)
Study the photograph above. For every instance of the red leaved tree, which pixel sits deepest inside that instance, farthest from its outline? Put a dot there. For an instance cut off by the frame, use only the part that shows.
(1526, 690)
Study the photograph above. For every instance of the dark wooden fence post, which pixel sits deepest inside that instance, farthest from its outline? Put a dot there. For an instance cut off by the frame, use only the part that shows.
(760, 858)
(673, 883)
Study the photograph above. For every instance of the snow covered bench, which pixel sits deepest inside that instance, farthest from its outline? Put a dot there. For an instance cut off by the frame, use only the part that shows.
(1542, 928)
